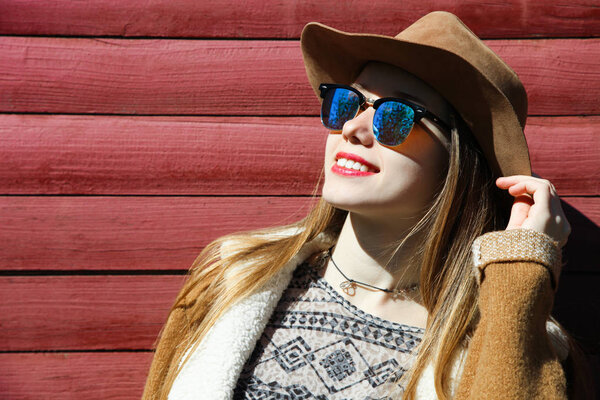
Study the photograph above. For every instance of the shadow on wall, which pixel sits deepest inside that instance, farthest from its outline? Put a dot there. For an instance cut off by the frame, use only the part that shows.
(577, 302)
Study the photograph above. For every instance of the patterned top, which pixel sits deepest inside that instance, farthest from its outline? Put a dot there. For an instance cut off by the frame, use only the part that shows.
(317, 345)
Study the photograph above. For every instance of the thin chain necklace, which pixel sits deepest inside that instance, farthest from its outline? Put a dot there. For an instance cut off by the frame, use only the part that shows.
(349, 285)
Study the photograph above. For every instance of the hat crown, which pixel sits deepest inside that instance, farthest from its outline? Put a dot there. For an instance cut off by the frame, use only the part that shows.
(446, 31)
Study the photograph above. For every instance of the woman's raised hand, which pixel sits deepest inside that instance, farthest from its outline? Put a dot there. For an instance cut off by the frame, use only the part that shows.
(536, 206)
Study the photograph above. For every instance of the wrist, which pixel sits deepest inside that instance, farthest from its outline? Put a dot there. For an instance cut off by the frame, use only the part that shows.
(517, 245)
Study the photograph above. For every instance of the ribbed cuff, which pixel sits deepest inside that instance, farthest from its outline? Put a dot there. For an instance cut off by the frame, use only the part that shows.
(517, 245)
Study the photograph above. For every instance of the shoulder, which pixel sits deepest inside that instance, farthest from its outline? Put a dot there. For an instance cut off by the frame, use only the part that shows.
(236, 243)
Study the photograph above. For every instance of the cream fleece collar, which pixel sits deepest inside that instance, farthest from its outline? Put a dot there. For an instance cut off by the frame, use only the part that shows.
(214, 367)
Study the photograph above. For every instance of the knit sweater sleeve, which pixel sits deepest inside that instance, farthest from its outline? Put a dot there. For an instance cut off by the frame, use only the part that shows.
(510, 355)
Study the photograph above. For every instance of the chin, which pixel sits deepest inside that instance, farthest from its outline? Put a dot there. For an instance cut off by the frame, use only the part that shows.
(376, 208)
(348, 202)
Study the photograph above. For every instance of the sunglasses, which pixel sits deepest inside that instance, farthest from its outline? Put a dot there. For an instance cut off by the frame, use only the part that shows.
(393, 120)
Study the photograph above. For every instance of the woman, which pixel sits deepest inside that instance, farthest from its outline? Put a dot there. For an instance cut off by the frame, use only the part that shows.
(413, 276)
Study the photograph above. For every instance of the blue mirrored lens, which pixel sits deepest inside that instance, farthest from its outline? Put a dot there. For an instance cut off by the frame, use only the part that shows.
(392, 122)
(339, 106)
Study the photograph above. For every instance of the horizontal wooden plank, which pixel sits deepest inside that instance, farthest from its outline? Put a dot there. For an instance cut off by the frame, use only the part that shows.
(100, 155)
(68, 154)
(198, 77)
(127, 312)
(73, 233)
(133, 233)
(544, 66)
(566, 151)
(285, 19)
(74, 376)
(88, 312)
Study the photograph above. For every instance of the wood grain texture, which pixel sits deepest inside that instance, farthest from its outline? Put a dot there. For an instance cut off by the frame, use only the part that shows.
(195, 77)
(87, 312)
(198, 139)
(148, 233)
(58, 154)
(566, 151)
(151, 233)
(108, 155)
(285, 19)
(127, 312)
(74, 376)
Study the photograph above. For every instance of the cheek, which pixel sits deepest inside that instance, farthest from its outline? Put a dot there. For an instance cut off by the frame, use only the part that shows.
(427, 152)
(329, 157)
(330, 148)
(420, 170)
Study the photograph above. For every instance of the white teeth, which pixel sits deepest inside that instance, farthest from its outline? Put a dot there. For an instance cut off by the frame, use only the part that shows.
(355, 165)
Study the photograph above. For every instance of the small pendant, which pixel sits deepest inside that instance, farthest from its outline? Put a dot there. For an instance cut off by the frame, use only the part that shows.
(402, 293)
(348, 287)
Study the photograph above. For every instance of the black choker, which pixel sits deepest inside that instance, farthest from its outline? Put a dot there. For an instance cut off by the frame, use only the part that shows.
(349, 285)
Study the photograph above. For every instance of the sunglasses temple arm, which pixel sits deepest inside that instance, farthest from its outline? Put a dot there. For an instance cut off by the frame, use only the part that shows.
(438, 121)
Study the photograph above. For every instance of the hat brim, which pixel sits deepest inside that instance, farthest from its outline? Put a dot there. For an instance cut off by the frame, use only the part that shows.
(335, 56)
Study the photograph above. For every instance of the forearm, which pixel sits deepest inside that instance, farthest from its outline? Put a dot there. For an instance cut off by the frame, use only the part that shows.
(510, 354)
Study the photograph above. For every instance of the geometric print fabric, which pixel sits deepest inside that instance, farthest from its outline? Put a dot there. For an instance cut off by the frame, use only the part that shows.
(317, 345)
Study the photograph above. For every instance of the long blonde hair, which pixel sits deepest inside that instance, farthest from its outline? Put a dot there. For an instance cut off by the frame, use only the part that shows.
(467, 205)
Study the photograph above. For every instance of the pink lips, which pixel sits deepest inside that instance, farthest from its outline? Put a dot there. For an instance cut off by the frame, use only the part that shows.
(352, 172)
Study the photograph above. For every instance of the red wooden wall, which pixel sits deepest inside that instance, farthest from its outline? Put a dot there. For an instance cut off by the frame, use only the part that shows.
(134, 132)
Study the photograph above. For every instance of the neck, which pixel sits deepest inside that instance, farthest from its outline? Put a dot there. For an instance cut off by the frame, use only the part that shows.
(361, 252)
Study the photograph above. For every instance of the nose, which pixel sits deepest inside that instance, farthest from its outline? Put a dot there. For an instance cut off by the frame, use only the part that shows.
(359, 130)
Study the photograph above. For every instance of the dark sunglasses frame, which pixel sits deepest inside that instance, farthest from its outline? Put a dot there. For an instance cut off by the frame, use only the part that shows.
(419, 111)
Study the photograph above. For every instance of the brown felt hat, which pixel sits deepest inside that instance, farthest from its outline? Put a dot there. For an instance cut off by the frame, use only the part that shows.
(442, 51)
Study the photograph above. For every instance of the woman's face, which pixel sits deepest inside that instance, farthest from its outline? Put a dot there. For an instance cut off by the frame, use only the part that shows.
(405, 177)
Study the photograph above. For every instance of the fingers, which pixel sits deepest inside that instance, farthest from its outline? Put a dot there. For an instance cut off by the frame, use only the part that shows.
(536, 206)
(519, 212)
(523, 184)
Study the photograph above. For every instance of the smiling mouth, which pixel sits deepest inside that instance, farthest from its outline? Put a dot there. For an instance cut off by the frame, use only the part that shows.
(347, 162)
(353, 165)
